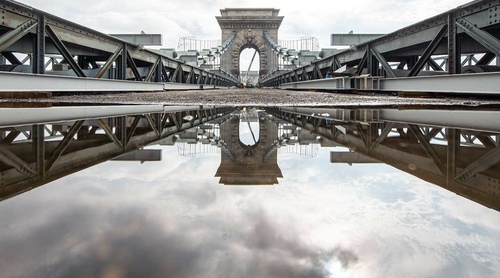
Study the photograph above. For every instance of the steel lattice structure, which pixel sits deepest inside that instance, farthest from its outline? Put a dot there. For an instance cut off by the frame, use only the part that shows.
(458, 35)
(468, 164)
(68, 140)
(87, 54)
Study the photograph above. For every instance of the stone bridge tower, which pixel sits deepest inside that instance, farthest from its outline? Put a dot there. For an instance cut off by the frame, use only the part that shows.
(249, 26)
(249, 165)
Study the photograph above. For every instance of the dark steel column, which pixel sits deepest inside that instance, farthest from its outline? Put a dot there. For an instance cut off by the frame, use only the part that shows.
(38, 146)
(38, 59)
(454, 51)
(121, 69)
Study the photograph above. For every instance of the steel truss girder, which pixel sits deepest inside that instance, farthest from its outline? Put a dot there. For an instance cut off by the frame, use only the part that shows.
(362, 63)
(482, 37)
(434, 65)
(81, 152)
(466, 83)
(133, 126)
(152, 124)
(486, 59)
(11, 58)
(68, 57)
(411, 41)
(22, 82)
(109, 62)
(133, 67)
(387, 68)
(10, 137)
(38, 48)
(63, 145)
(14, 35)
(11, 159)
(426, 56)
(482, 164)
(152, 71)
(387, 129)
(453, 152)
(428, 148)
(79, 40)
(109, 133)
(412, 160)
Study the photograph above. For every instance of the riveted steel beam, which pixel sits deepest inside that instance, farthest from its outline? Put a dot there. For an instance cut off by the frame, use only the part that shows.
(434, 65)
(177, 75)
(10, 137)
(453, 150)
(454, 46)
(133, 126)
(38, 149)
(109, 133)
(109, 62)
(387, 129)
(133, 67)
(63, 144)
(64, 51)
(435, 131)
(152, 70)
(38, 57)
(426, 56)
(482, 164)
(317, 73)
(482, 37)
(362, 63)
(486, 59)
(11, 58)
(431, 152)
(14, 161)
(387, 68)
(486, 141)
(152, 123)
(14, 35)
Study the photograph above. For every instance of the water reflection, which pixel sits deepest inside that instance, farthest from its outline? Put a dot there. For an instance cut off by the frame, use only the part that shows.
(169, 217)
(463, 159)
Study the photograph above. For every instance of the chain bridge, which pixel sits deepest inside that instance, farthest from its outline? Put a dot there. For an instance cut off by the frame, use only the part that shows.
(451, 52)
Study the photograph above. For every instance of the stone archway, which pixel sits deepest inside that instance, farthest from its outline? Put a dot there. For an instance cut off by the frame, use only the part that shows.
(258, 46)
(249, 26)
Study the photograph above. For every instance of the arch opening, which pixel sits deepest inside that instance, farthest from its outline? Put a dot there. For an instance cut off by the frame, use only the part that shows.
(249, 128)
(249, 59)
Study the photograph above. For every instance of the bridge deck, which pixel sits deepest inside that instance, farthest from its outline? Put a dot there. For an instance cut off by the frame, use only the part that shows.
(260, 97)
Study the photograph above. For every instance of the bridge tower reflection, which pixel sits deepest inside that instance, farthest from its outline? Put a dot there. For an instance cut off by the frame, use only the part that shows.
(249, 165)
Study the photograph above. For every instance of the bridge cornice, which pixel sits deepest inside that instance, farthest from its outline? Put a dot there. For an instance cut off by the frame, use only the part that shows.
(228, 23)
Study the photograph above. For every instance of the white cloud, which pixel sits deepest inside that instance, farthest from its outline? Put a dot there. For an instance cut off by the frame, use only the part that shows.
(175, 19)
(381, 222)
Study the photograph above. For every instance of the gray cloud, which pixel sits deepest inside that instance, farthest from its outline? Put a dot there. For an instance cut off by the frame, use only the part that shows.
(289, 249)
(86, 241)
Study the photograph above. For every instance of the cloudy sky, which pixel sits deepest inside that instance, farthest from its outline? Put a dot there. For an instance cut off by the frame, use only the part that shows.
(172, 218)
(175, 19)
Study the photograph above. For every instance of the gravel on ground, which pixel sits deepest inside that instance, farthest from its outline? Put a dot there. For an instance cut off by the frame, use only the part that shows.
(261, 97)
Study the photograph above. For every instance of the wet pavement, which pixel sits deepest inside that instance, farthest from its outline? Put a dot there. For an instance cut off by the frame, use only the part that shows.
(263, 97)
(252, 192)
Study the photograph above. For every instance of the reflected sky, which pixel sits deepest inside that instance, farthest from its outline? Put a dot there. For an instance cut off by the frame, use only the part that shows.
(172, 218)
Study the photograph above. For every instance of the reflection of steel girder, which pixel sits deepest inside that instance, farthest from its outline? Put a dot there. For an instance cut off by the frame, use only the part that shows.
(95, 52)
(26, 164)
(466, 30)
(470, 171)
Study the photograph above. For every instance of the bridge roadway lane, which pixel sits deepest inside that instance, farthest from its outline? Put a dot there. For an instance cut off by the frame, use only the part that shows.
(258, 97)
